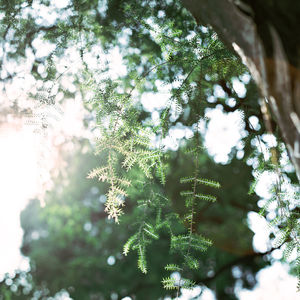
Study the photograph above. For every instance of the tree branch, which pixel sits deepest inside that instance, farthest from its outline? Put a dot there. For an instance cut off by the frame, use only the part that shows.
(261, 45)
(237, 261)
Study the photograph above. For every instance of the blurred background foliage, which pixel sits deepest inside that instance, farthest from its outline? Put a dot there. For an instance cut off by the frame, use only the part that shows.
(71, 244)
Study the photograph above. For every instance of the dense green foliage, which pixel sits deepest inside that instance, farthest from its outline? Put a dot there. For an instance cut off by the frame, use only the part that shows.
(171, 204)
(71, 249)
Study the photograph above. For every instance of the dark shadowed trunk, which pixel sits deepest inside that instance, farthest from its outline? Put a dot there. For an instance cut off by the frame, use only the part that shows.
(266, 35)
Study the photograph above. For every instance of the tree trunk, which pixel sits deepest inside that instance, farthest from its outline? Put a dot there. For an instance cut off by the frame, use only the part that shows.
(266, 35)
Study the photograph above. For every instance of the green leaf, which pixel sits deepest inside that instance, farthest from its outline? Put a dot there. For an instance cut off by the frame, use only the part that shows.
(151, 234)
(209, 198)
(142, 264)
(191, 262)
(128, 244)
(172, 267)
(188, 284)
(210, 183)
(169, 283)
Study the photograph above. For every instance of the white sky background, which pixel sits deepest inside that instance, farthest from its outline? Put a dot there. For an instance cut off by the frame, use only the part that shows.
(26, 159)
(18, 177)
(21, 175)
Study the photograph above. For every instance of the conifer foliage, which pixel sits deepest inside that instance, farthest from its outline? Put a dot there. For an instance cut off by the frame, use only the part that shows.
(125, 141)
(164, 47)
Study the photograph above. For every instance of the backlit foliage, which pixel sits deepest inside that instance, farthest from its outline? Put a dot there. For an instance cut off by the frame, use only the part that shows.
(163, 47)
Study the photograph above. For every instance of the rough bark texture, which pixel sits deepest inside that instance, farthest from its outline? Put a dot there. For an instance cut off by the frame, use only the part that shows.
(266, 35)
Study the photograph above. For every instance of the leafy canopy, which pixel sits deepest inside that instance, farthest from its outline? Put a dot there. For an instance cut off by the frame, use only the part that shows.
(161, 45)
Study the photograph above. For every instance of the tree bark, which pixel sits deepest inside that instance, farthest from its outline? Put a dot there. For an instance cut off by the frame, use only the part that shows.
(266, 35)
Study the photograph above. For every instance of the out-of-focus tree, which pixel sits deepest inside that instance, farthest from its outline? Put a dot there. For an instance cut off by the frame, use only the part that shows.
(265, 35)
(161, 44)
(73, 247)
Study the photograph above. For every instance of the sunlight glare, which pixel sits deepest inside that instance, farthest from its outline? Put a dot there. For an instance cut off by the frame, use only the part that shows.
(19, 178)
